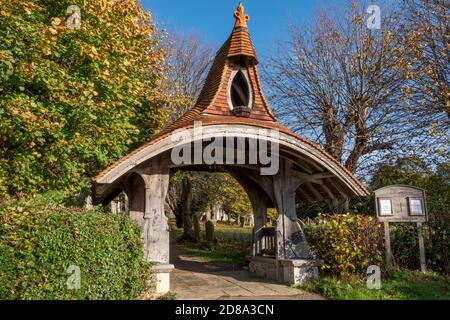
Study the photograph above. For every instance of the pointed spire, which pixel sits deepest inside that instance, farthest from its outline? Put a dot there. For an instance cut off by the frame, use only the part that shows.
(241, 17)
(240, 44)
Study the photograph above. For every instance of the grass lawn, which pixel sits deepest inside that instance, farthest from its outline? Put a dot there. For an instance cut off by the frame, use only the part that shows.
(398, 285)
(233, 245)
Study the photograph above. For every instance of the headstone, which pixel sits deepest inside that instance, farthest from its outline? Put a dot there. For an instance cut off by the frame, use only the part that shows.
(209, 228)
(250, 221)
(89, 205)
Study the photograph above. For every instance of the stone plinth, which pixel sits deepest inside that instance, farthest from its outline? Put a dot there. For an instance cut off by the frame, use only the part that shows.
(264, 267)
(300, 271)
(161, 274)
(294, 271)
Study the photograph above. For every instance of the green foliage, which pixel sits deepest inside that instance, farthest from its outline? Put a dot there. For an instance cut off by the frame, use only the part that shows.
(347, 243)
(168, 296)
(405, 245)
(272, 215)
(40, 238)
(437, 246)
(399, 285)
(220, 188)
(74, 100)
(234, 198)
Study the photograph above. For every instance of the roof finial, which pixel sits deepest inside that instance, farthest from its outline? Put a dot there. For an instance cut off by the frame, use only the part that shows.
(241, 17)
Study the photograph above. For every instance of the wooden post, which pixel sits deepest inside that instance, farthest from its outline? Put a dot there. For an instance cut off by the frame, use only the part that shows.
(387, 244)
(259, 204)
(291, 242)
(156, 228)
(423, 262)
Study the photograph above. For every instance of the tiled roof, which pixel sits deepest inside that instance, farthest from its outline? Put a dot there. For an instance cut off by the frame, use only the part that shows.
(241, 44)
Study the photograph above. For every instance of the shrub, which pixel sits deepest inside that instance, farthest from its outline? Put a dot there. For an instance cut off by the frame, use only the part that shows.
(405, 246)
(347, 243)
(437, 243)
(40, 241)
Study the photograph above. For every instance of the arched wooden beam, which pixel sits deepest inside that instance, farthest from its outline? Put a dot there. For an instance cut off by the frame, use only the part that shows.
(111, 196)
(298, 147)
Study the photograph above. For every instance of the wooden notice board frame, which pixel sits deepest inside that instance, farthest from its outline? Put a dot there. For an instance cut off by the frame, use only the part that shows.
(398, 204)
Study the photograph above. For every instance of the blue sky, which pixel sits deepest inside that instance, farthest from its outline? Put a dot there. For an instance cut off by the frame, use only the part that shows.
(213, 19)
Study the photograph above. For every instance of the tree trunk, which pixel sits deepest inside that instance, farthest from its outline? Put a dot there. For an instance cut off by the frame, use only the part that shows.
(174, 204)
(186, 205)
(196, 219)
(242, 222)
(178, 213)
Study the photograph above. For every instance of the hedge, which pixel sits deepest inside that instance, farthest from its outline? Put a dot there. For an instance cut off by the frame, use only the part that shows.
(405, 245)
(41, 239)
(347, 243)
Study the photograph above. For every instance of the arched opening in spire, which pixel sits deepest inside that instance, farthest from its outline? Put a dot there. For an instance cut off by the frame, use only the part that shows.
(240, 91)
(240, 94)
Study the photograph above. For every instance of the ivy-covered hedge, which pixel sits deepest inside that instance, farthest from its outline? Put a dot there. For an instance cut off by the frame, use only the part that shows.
(405, 245)
(40, 241)
(347, 243)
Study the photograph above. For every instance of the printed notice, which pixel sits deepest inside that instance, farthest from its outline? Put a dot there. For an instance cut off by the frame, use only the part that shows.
(416, 207)
(385, 207)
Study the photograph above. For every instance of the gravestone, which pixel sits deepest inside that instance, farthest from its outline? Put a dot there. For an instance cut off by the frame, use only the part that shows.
(209, 228)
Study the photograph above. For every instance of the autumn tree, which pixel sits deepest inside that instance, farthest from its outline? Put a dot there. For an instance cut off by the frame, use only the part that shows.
(341, 84)
(80, 85)
(234, 198)
(221, 189)
(427, 39)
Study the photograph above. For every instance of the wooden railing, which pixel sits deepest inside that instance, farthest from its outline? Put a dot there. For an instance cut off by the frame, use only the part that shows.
(265, 242)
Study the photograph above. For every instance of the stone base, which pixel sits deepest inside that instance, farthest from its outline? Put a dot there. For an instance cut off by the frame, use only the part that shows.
(264, 267)
(162, 277)
(298, 271)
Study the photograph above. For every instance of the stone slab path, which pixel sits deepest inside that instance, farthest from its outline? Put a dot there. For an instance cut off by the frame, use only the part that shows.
(194, 279)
